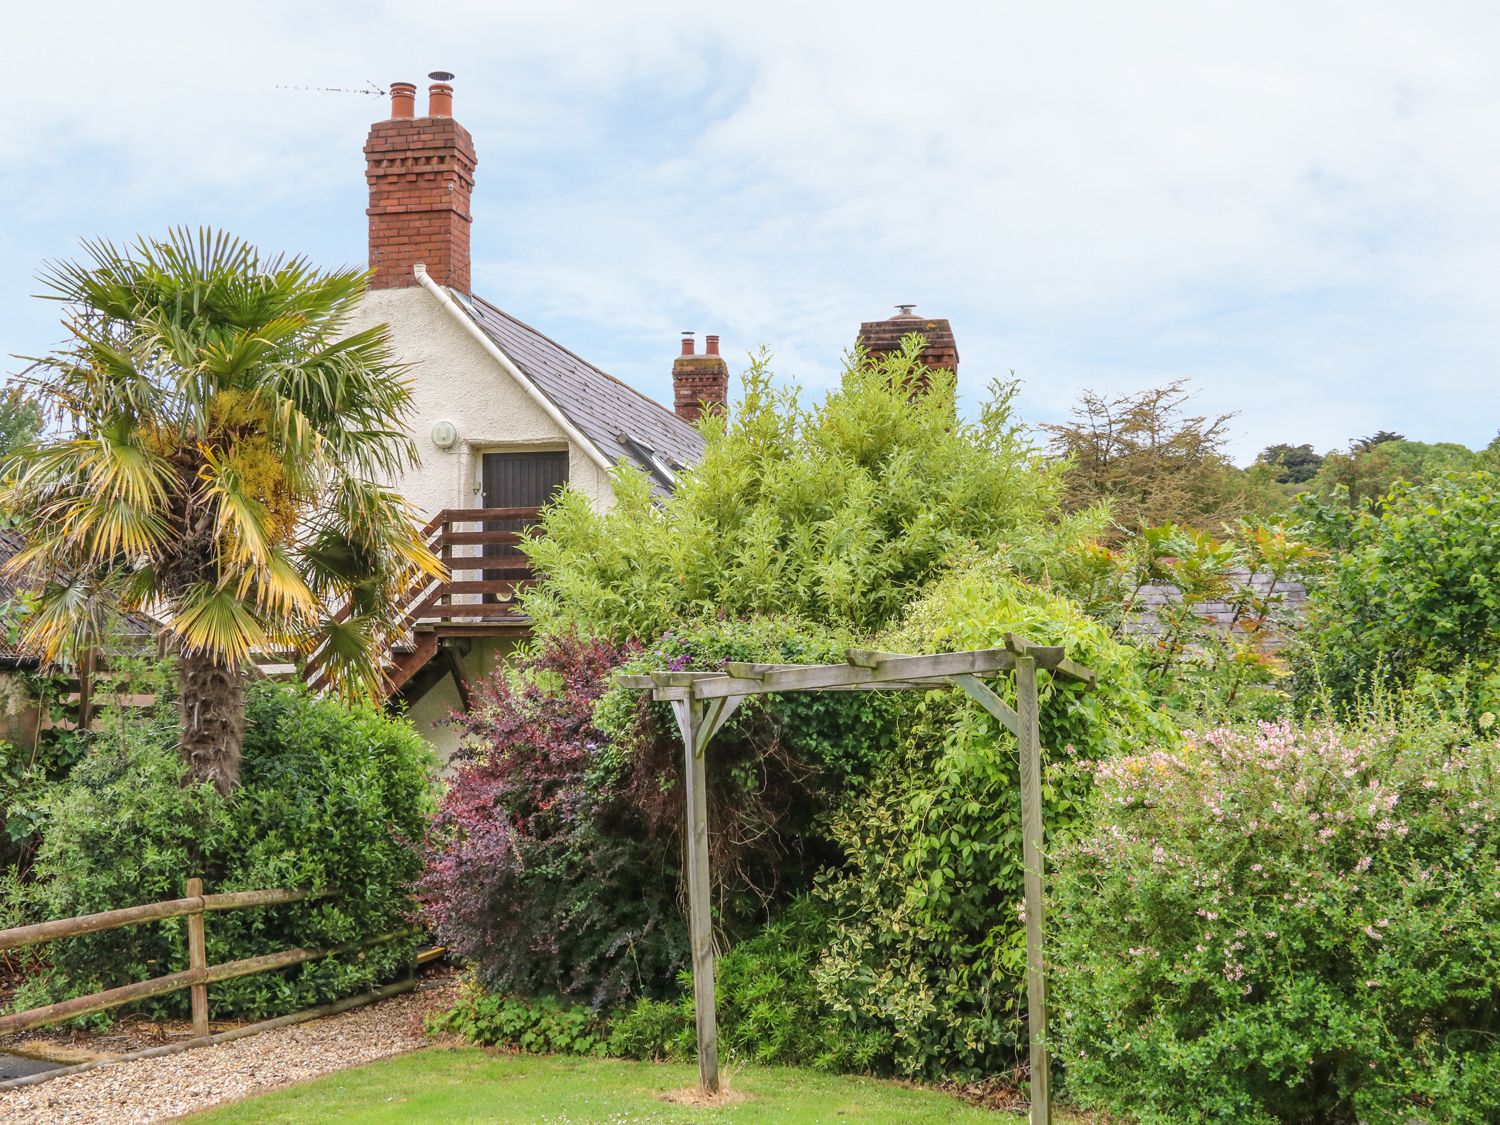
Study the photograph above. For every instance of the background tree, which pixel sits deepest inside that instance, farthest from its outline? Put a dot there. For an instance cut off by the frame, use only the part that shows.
(1365, 472)
(1379, 437)
(216, 460)
(1294, 464)
(1412, 593)
(1149, 459)
(20, 419)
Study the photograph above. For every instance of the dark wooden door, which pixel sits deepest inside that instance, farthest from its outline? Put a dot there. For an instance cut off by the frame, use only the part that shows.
(519, 480)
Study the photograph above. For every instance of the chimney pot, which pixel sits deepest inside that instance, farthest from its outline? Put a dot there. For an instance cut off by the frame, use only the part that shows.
(403, 100)
(440, 100)
(687, 343)
(711, 345)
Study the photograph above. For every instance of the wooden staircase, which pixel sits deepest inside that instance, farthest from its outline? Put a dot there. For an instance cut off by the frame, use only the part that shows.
(475, 599)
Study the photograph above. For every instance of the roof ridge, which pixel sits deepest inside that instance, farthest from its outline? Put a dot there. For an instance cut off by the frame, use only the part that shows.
(591, 366)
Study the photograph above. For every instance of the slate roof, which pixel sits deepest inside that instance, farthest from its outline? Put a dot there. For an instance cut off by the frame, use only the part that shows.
(625, 425)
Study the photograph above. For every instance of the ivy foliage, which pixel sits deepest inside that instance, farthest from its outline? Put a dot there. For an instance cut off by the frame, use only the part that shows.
(333, 796)
(838, 515)
(926, 953)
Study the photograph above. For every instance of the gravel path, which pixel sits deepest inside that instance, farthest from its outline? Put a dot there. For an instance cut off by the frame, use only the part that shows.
(163, 1088)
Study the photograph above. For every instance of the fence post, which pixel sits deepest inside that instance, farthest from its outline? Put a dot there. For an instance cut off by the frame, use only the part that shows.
(197, 959)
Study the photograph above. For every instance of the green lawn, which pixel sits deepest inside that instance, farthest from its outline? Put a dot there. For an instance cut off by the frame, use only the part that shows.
(459, 1085)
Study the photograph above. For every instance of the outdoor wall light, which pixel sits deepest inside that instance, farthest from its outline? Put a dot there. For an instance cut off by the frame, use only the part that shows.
(444, 434)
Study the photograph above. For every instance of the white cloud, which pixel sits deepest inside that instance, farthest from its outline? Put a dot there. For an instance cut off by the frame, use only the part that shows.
(1295, 203)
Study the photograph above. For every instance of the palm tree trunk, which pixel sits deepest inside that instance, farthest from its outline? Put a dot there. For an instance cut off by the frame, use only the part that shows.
(213, 719)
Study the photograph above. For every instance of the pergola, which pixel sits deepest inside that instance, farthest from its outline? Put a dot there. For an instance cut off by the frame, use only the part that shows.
(703, 703)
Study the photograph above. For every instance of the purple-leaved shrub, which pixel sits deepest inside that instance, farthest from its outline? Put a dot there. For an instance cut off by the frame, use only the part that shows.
(1286, 924)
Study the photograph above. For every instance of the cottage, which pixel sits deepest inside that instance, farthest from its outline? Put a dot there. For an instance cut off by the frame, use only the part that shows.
(503, 415)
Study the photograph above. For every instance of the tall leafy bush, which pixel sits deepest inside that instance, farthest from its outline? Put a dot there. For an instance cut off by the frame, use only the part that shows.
(1284, 924)
(1413, 594)
(557, 853)
(544, 882)
(838, 514)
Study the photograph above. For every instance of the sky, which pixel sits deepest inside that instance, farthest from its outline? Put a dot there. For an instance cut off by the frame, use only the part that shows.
(1294, 205)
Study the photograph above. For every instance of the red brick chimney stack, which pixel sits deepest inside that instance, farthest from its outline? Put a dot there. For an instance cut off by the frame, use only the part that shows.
(881, 337)
(421, 173)
(699, 382)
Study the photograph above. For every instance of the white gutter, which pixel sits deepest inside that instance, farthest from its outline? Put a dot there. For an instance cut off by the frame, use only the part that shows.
(574, 434)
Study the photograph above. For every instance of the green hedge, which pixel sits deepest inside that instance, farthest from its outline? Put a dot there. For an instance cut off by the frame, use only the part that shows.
(332, 796)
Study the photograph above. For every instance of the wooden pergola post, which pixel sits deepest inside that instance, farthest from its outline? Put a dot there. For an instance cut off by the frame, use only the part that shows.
(700, 907)
(703, 701)
(1030, 738)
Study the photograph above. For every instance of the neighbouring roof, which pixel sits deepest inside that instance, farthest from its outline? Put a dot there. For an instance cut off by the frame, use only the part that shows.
(625, 425)
(11, 543)
(1288, 596)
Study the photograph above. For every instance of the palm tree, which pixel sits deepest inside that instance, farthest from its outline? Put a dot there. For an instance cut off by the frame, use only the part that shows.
(219, 454)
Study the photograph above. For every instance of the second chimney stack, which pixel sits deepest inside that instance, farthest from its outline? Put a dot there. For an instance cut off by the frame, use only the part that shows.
(699, 382)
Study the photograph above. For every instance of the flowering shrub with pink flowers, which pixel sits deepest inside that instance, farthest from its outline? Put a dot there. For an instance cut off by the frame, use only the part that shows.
(1284, 924)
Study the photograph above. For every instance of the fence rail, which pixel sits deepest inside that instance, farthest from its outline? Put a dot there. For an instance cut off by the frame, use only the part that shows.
(197, 976)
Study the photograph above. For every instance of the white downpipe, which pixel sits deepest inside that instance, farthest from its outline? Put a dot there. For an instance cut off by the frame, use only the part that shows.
(492, 349)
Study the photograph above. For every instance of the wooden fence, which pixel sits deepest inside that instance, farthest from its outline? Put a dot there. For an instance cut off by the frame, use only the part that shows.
(198, 975)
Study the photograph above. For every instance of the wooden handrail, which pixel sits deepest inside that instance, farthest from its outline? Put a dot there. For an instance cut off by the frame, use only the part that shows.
(430, 599)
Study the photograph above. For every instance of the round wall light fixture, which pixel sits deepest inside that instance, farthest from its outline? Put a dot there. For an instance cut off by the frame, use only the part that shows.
(444, 434)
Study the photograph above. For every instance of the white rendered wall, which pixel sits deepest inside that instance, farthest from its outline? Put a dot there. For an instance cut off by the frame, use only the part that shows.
(454, 380)
(431, 712)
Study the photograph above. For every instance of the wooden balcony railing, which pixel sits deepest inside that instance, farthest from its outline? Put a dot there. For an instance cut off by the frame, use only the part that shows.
(485, 567)
(486, 570)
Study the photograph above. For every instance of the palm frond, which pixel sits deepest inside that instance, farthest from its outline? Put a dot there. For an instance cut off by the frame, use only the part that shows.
(214, 619)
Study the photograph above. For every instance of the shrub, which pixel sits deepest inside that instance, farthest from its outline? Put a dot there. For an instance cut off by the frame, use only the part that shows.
(332, 797)
(768, 1010)
(1204, 667)
(556, 858)
(653, 1030)
(926, 954)
(1416, 591)
(543, 1026)
(544, 882)
(779, 766)
(1286, 924)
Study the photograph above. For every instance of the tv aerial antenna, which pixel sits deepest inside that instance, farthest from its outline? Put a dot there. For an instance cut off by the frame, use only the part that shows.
(369, 89)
